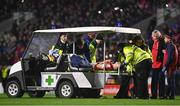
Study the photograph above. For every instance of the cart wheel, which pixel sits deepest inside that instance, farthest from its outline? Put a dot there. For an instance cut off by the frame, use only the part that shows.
(37, 94)
(13, 89)
(65, 90)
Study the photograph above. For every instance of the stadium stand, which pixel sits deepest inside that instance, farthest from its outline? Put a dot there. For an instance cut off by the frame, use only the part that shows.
(71, 13)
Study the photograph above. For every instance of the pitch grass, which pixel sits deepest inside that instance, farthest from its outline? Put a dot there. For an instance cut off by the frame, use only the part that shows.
(107, 101)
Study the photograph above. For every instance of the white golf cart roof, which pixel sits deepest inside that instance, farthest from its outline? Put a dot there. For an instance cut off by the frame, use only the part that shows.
(93, 29)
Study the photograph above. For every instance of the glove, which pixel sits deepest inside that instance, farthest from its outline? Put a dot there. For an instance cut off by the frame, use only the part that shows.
(163, 69)
(54, 52)
(123, 67)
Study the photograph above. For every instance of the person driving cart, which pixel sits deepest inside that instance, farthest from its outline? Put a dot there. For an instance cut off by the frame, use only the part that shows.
(59, 48)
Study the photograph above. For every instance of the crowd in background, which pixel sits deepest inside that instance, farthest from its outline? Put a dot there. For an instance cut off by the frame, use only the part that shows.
(71, 13)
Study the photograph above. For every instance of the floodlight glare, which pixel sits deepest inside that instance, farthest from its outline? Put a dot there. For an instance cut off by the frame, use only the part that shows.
(99, 12)
(166, 5)
(121, 10)
(116, 8)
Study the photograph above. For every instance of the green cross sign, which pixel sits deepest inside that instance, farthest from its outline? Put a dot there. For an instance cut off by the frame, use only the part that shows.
(49, 80)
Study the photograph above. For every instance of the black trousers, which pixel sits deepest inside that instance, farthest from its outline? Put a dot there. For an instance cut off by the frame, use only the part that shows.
(124, 88)
(171, 86)
(141, 75)
(158, 78)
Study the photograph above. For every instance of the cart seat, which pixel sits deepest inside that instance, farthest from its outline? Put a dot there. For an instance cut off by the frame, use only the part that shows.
(54, 68)
(80, 67)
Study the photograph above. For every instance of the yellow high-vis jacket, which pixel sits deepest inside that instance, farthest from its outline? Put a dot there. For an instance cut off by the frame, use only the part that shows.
(93, 50)
(135, 54)
(121, 59)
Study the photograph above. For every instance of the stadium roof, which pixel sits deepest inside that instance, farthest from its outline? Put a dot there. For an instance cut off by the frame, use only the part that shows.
(94, 29)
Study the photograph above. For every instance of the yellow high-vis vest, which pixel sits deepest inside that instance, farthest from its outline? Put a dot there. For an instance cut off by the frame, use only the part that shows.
(135, 54)
(129, 67)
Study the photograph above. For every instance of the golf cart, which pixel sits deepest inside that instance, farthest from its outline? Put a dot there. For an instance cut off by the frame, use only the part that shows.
(35, 76)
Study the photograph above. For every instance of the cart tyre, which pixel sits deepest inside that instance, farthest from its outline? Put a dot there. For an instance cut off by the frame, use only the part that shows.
(13, 89)
(65, 90)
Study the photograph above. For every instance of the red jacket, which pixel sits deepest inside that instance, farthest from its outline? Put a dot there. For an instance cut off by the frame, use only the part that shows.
(155, 47)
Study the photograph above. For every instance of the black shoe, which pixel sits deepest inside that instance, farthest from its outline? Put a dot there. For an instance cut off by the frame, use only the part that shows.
(120, 97)
(162, 97)
(172, 97)
(153, 97)
(145, 97)
(116, 97)
(127, 97)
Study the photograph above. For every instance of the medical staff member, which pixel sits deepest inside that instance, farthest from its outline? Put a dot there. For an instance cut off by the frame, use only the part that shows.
(93, 47)
(141, 61)
(87, 41)
(125, 79)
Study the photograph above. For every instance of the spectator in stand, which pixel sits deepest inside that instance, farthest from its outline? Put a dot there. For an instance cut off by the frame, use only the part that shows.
(158, 48)
(72, 13)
